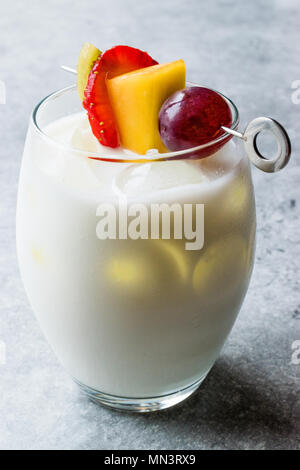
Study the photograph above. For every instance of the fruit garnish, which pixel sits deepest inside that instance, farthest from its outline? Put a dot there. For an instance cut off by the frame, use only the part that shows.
(136, 99)
(113, 62)
(193, 117)
(87, 57)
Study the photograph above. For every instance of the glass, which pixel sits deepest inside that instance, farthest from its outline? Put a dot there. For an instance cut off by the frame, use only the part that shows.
(138, 323)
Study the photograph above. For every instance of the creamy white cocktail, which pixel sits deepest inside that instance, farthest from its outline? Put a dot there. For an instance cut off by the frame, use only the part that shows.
(135, 319)
(136, 225)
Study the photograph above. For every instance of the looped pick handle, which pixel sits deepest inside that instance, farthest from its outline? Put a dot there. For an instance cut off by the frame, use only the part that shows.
(283, 144)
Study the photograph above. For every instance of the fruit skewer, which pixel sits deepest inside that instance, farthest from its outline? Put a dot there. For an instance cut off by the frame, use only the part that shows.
(68, 69)
(249, 136)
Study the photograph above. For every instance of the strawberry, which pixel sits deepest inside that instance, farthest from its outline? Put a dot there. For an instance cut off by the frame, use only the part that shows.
(115, 61)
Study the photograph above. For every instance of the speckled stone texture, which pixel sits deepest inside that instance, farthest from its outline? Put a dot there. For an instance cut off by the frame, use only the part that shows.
(249, 51)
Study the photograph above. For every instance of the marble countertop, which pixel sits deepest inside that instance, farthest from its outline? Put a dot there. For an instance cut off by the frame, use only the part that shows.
(248, 50)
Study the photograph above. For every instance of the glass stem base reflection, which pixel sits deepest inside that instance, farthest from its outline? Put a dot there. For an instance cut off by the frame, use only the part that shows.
(139, 405)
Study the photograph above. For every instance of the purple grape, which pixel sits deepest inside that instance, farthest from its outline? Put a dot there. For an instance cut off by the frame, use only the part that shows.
(193, 117)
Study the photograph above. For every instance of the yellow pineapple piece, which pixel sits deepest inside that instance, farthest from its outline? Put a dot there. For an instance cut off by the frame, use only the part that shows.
(136, 98)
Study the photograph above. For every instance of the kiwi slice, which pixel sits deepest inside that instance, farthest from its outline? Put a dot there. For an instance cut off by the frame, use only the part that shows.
(88, 55)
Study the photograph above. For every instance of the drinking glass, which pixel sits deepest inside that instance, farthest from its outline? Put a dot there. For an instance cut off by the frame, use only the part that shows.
(138, 323)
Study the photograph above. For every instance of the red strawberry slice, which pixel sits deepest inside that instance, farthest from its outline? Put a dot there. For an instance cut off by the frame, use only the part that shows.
(115, 61)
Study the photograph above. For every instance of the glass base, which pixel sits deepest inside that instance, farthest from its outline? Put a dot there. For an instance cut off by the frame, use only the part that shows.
(139, 405)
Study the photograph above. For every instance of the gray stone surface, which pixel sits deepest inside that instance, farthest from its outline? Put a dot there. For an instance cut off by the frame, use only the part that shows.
(248, 50)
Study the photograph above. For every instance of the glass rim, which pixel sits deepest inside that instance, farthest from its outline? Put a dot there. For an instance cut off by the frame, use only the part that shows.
(133, 158)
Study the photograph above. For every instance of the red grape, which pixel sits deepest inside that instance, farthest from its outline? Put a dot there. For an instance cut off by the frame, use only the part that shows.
(193, 117)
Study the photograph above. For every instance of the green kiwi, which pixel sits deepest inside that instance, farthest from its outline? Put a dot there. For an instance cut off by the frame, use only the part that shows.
(87, 57)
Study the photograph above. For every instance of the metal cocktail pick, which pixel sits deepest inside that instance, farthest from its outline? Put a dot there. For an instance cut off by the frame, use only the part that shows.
(249, 136)
(69, 69)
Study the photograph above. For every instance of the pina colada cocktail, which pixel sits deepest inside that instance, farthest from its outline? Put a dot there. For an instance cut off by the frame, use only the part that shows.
(136, 311)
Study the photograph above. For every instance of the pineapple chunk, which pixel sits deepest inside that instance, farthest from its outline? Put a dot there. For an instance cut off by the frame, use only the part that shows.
(136, 98)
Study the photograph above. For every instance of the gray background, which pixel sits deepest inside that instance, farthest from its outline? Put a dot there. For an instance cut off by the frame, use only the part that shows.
(250, 52)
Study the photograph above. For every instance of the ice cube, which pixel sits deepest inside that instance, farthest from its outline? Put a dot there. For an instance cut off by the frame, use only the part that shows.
(83, 138)
(145, 178)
